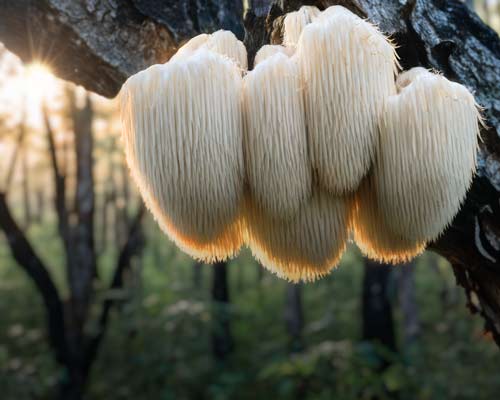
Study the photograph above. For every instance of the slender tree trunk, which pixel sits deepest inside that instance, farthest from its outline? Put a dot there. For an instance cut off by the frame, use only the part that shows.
(197, 275)
(260, 273)
(408, 304)
(39, 205)
(25, 185)
(294, 316)
(378, 323)
(222, 340)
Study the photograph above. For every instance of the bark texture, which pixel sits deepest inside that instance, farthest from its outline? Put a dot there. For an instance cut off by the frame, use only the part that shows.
(98, 44)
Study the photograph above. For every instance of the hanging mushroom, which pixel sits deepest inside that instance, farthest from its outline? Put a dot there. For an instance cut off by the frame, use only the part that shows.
(225, 42)
(221, 42)
(371, 233)
(269, 50)
(276, 157)
(183, 139)
(306, 246)
(427, 156)
(190, 47)
(348, 69)
(294, 22)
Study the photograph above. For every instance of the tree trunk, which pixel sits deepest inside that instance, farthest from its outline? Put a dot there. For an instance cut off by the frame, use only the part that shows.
(197, 275)
(26, 192)
(378, 323)
(408, 304)
(294, 316)
(222, 340)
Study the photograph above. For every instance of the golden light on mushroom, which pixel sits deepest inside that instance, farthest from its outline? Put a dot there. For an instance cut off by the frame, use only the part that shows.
(372, 234)
(427, 157)
(305, 247)
(183, 139)
(348, 69)
(276, 156)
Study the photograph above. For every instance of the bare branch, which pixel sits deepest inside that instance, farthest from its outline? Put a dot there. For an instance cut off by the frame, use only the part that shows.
(131, 248)
(19, 143)
(27, 258)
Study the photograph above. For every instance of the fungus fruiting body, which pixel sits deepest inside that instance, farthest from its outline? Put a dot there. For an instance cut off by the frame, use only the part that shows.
(427, 155)
(348, 69)
(188, 48)
(306, 246)
(269, 50)
(317, 141)
(226, 43)
(295, 22)
(372, 233)
(183, 138)
(222, 42)
(276, 157)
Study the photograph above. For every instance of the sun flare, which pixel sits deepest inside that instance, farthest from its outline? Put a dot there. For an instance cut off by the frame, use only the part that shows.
(37, 82)
(28, 88)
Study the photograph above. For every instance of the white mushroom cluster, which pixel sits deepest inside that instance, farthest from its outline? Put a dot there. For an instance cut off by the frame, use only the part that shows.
(320, 142)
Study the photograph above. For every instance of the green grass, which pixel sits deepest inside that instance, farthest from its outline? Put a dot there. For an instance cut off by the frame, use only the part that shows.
(158, 342)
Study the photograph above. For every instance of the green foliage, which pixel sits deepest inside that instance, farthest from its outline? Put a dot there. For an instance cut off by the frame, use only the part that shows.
(158, 343)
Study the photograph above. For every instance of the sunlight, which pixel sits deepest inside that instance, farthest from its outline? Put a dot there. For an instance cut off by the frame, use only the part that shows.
(26, 89)
(37, 82)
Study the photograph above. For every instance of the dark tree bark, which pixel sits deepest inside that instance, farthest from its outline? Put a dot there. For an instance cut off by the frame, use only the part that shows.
(82, 269)
(26, 257)
(100, 44)
(408, 304)
(378, 322)
(197, 275)
(222, 340)
(294, 316)
(26, 191)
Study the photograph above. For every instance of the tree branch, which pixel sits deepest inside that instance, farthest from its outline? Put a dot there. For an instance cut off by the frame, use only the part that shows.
(131, 248)
(99, 44)
(13, 161)
(26, 257)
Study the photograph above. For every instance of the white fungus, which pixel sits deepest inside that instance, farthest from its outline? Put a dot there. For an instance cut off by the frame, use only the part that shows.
(280, 159)
(371, 233)
(348, 69)
(188, 48)
(427, 156)
(221, 42)
(269, 50)
(295, 22)
(304, 247)
(183, 139)
(226, 43)
(276, 157)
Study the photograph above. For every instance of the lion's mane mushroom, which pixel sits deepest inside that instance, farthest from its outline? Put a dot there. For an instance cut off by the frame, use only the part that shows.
(269, 50)
(427, 155)
(188, 48)
(295, 22)
(225, 42)
(183, 139)
(348, 69)
(304, 247)
(276, 157)
(371, 233)
(221, 42)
